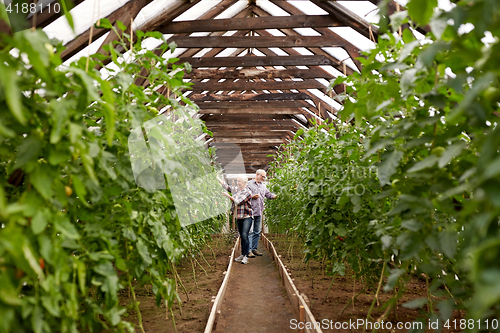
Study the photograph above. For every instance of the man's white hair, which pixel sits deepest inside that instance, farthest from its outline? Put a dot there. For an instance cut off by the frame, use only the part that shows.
(260, 172)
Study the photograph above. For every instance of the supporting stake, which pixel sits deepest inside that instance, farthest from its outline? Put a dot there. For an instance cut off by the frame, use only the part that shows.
(302, 317)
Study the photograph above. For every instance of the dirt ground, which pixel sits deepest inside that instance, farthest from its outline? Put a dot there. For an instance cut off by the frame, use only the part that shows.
(195, 312)
(314, 284)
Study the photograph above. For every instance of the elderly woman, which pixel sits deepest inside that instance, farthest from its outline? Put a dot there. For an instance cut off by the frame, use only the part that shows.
(242, 200)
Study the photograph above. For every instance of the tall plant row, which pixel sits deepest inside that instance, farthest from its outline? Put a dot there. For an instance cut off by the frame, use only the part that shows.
(408, 184)
(75, 227)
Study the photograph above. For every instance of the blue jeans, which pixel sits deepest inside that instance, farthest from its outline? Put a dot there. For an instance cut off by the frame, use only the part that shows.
(243, 228)
(254, 235)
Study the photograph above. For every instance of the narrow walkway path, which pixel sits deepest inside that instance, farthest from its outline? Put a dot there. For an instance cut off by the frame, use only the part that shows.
(255, 299)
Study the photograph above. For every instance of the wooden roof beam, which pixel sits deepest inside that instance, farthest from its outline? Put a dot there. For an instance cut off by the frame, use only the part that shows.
(268, 85)
(250, 23)
(252, 111)
(252, 61)
(255, 41)
(348, 18)
(352, 50)
(254, 105)
(251, 140)
(248, 97)
(312, 72)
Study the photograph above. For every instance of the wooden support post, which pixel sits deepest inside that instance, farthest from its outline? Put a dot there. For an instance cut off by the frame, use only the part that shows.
(301, 316)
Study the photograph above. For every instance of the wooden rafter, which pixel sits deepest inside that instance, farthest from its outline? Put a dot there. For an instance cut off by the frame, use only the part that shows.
(267, 105)
(313, 72)
(305, 60)
(352, 50)
(348, 18)
(250, 23)
(249, 97)
(268, 85)
(80, 42)
(256, 41)
(252, 111)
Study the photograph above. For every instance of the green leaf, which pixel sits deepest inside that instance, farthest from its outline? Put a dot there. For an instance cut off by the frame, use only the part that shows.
(416, 303)
(448, 241)
(388, 167)
(59, 118)
(81, 268)
(121, 26)
(109, 116)
(28, 150)
(438, 26)
(299, 133)
(37, 316)
(42, 182)
(104, 23)
(492, 169)
(144, 252)
(40, 220)
(427, 162)
(51, 304)
(66, 228)
(450, 153)
(8, 293)
(397, 19)
(421, 10)
(32, 261)
(68, 15)
(80, 189)
(386, 241)
(12, 92)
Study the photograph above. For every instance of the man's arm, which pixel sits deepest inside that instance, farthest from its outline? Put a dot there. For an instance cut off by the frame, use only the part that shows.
(268, 194)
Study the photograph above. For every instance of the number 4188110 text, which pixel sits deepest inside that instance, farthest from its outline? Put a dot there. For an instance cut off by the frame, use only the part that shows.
(31, 8)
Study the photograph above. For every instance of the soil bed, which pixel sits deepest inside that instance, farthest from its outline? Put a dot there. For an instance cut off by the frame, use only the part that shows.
(195, 312)
(314, 283)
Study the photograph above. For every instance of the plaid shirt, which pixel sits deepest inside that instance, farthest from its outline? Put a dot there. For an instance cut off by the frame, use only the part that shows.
(242, 201)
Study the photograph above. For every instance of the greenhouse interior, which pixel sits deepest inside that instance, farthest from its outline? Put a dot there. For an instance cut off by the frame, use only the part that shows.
(249, 166)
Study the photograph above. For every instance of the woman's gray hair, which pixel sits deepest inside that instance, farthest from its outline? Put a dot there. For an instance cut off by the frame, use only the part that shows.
(243, 178)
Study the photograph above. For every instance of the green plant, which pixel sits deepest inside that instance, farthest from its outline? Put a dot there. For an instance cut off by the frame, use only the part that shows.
(426, 114)
(75, 227)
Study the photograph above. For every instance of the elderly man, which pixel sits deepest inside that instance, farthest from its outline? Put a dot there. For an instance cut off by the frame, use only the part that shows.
(241, 199)
(259, 192)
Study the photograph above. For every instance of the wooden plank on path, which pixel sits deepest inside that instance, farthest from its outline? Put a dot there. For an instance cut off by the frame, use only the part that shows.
(217, 303)
(299, 304)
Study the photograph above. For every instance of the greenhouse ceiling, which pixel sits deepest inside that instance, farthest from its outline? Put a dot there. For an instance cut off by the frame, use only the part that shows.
(260, 68)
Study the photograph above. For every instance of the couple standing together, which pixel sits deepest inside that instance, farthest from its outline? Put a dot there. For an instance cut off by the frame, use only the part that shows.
(248, 197)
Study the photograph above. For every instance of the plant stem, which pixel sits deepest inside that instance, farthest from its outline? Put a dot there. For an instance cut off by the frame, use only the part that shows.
(194, 273)
(352, 299)
(375, 299)
(180, 281)
(136, 304)
(173, 320)
(330, 287)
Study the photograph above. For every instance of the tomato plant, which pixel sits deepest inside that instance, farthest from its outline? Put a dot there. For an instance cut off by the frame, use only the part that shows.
(75, 227)
(425, 116)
